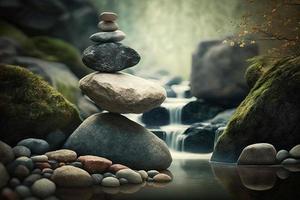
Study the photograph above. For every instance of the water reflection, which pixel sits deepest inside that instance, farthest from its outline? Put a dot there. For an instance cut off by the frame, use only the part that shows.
(259, 182)
(195, 178)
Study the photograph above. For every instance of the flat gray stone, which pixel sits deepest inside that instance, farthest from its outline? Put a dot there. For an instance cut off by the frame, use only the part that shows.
(114, 36)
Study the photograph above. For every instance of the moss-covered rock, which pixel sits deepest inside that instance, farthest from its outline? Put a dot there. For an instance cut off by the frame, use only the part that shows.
(258, 67)
(61, 51)
(29, 107)
(270, 113)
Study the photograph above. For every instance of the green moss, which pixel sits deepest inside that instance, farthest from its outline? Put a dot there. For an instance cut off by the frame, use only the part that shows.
(258, 66)
(61, 51)
(29, 106)
(270, 113)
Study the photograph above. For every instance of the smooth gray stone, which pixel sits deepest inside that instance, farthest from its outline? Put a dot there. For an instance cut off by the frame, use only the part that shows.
(102, 37)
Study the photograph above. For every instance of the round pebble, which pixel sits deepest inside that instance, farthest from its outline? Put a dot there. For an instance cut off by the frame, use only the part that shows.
(6, 153)
(14, 182)
(108, 174)
(123, 181)
(117, 167)
(24, 161)
(108, 16)
(130, 175)
(36, 171)
(143, 174)
(42, 165)
(37, 146)
(107, 26)
(31, 179)
(47, 175)
(77, 164)
(281, 155)
(94, 164)
(23, 191)
(47, 170)
(40, 158)
(20, 151)
(21, 172)
(62, 155)
(43, 188)
(110, 182)
(162, 178)
(152, 173)
(97, 178)
(295, 151)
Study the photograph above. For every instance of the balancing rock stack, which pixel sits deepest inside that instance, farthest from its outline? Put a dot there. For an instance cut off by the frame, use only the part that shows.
(112, 135)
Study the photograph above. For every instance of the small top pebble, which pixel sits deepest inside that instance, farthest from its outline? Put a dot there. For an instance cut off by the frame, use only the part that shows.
(108, 16)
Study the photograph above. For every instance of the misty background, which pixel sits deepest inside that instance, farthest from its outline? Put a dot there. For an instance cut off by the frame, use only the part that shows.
(166, 32)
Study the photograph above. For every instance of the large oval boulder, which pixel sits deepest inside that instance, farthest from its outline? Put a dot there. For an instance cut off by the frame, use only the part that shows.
(122, 93)
(269, 114)
(218, 70)
(121, 140)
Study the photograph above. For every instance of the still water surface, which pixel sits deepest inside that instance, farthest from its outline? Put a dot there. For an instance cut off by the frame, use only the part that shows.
(195, 178)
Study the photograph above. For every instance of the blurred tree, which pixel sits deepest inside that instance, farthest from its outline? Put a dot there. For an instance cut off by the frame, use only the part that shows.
(276, 23)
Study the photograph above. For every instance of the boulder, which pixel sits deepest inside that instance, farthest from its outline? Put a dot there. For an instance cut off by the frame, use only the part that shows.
(122, 93)
(30, 107)
(218, 70)
(199, 138)
(269, 114)
(156, 117)
(110, 57)
(198, 111)
(98, 133)
(258, 154)
(73, 21)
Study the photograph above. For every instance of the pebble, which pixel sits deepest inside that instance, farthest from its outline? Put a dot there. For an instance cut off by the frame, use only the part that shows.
(108, 174)
(149, 179)
(6, 153)
(20, 151)
(47, 170)
(54, 164)
(281, 155)
(108, 16)
(9, 194)
(152, 173)
(295, 151)
(43, 188)
(40, 158)
(47, 175)
(123, 181)
(14, 182)
(143, 174)
(110, 182)
(162, 178)
(23, 191)
(290, 161)
(37, 146)
(107, 26)
(102, 37)
(69, 176)
(36, 171)
(21, 172)
(130, 175)
(24, 161)
(77, 164)
(4, 176)
(28, 181)
(97, 178)
(283, 174)
(95, 164)
(62, 155)
(117, 167)
(51, 198)
(42, 165)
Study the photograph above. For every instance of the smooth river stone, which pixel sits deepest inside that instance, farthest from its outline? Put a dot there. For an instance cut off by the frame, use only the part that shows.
(108, 26)
(94, 164)
(115, 36)
(108, 16)
(120, 140)
(122, 93)
(110, 57)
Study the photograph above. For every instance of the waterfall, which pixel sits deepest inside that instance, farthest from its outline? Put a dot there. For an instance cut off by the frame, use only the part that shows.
(181, 89)
(174, 131)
